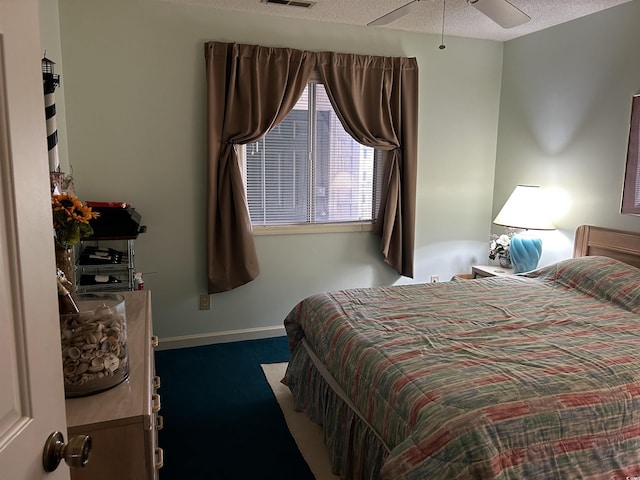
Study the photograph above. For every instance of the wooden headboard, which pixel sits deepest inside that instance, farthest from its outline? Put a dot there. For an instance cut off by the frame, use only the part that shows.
(618, 244)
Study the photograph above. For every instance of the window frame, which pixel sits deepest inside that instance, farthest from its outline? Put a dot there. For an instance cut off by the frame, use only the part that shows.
(317, 227)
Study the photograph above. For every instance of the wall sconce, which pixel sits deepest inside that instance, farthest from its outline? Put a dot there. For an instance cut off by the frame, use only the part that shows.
(525, 209)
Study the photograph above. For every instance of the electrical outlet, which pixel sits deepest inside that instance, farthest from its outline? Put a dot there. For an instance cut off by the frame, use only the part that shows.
(435, 278)
(205, 301)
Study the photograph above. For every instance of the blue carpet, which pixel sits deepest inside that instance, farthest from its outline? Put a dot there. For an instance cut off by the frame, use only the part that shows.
(221, 419)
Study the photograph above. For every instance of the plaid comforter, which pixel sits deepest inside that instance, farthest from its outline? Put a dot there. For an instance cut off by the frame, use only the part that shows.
(535, 376)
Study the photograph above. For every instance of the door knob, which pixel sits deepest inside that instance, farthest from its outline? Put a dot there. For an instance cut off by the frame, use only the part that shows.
(75, 452)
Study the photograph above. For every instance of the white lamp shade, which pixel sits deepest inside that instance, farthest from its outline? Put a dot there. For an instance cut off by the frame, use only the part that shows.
(526, 208)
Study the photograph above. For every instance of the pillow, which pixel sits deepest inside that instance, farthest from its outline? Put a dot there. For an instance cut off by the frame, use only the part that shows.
(600, 277)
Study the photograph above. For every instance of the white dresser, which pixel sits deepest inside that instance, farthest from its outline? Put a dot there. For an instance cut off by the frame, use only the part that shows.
(123, 422)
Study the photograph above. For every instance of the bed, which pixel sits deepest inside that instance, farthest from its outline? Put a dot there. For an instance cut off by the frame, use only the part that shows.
(534, 376)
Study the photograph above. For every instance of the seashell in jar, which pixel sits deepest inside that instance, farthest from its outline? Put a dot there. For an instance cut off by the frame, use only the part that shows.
(111, 362)
(104, 311)
(89, 346)
(74, 352)
(106, 345)
(84, 328)
(97, 364)
(69, 369)
(86, 357)
(90, 338)
(82, 367)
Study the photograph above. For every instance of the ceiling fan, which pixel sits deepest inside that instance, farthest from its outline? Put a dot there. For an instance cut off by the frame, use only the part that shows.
(502, 12)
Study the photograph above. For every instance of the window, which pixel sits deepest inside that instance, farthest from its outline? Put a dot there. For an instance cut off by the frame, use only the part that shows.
(308, 170)
(631, 190)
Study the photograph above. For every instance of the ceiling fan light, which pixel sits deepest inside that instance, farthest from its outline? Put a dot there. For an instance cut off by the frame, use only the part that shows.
(502, 12)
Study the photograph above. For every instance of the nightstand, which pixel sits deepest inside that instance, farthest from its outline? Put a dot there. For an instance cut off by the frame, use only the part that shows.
(482, 271)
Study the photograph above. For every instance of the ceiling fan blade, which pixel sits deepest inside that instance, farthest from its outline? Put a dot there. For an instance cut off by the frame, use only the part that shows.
(502, 12)
(394, 15)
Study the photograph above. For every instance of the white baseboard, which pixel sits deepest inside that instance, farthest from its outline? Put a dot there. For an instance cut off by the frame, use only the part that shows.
(197, 340)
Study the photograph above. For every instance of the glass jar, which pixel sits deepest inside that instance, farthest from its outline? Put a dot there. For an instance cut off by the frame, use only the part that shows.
(94, 344)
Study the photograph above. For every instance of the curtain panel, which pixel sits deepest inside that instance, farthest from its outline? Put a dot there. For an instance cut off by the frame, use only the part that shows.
(376, 99)
(250, 89)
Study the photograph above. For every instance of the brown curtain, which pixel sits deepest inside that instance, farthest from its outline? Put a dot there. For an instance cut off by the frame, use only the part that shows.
(249, 90)
(376, 99)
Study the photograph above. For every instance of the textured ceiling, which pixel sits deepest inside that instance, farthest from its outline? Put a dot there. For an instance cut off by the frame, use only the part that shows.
(461, 19)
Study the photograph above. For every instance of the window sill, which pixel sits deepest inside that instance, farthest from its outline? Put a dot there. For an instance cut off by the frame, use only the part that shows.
(312, 228)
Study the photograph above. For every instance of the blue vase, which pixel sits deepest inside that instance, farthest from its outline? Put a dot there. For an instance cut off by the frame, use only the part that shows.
(525, 251)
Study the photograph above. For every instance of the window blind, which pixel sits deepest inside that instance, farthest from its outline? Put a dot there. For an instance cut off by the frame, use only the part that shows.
(308, 169)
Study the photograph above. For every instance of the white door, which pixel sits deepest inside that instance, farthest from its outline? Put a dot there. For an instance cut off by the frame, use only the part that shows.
(31, 389)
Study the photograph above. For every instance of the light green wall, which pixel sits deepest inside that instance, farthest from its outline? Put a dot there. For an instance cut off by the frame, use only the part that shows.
(135, 94)
(564, 119)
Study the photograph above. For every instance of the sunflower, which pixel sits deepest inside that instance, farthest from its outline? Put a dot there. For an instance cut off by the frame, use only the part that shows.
(70, 219)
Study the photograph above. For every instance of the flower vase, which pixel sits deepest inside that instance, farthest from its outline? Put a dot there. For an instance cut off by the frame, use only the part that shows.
(65, 262)
(505, 262)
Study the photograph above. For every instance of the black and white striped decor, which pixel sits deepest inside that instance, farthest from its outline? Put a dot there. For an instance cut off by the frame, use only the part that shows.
(52, 131)
(50, 82)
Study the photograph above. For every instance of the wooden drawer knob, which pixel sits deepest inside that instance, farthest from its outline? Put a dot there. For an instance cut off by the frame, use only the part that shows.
(159, 423)
(155, 398)
(159, 458)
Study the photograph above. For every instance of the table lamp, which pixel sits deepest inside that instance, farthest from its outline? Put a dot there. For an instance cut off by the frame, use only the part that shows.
(525, 209)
